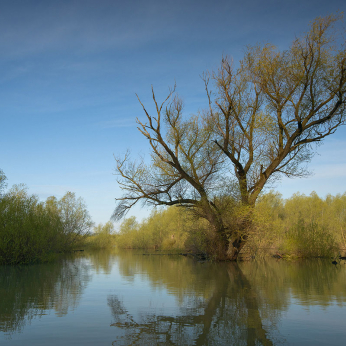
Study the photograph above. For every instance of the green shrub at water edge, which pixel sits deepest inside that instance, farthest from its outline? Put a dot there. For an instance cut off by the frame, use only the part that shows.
(32, 231)
(103, 237)
(309, 240)
(164, 229)
(304, 226)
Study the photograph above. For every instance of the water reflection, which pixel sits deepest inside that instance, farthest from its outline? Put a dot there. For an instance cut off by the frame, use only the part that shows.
(29, 291)
(102, 261)
(223, 303)
(168, 300)
(228, 312)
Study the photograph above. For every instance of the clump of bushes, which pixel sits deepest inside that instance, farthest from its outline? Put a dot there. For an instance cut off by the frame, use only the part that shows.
(164, 229)
(301, 226)
(102, 237)
(309, 240)
(32, 231)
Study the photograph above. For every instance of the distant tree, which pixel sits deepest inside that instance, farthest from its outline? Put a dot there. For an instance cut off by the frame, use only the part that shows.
(129, 225)
(74, 216)
(32, 231)
(102, 236)
(262, 122)
(2, 181)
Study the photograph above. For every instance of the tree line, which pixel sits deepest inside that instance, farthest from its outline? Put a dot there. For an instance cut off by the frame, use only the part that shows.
(33, 231)
(300, 226)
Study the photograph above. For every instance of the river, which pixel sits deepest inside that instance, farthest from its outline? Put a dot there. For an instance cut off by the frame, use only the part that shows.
(127, 298)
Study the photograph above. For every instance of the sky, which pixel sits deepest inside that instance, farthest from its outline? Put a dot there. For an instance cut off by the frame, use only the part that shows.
(70, 71)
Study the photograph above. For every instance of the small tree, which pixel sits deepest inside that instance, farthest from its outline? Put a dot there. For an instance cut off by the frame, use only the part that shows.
(32, 231)
(2, 182)
(103, 236)
(74, 216)
(262, 122)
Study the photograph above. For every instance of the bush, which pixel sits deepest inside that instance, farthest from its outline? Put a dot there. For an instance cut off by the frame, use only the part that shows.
(32, 231)
(309, 240)
(304, 226)
(103, 237)
(164, 229)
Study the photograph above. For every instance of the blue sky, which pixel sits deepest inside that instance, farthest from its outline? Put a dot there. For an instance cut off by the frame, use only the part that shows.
(70, 71)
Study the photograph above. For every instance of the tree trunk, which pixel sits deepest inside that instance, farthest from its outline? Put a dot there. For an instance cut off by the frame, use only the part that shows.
(226, 245)
(221, 247)
(236, 246)
(239, 239)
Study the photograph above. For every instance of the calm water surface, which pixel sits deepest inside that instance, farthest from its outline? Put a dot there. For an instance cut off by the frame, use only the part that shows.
(106, 298)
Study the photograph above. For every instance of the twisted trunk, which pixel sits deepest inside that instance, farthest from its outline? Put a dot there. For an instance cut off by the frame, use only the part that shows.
(236, 246)
(238, 238)
(228, 240)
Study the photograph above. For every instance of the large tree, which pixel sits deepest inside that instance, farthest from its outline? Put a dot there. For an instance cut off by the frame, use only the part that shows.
(263, 120)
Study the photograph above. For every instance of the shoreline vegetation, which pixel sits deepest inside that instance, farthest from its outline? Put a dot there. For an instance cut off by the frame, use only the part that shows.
(32, 231)
(298, 227)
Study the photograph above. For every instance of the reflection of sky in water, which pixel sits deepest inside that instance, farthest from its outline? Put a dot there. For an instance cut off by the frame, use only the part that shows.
(313, 325)
(153, 299)
(137, 293)
(89, 323)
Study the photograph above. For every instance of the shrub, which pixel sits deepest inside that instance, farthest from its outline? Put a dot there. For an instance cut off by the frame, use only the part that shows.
(32, 231)
(309, 240)
(103, 237)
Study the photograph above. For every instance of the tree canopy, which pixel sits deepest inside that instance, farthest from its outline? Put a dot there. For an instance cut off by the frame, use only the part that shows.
(2, 181)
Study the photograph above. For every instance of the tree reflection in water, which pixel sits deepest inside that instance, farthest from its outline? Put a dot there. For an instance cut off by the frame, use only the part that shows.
(215, 303)
(102, 261)
(230, 315)
(30, 291)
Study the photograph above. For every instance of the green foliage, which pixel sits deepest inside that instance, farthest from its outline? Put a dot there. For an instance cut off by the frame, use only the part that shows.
(265, 233)
(165, 229)
(127, 237)
(74, 217)
(32, 231)
(103, 237)
(303, 226)
(309, 240)
(313, 226)
(2, 181)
